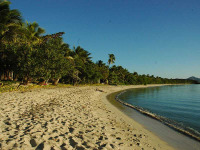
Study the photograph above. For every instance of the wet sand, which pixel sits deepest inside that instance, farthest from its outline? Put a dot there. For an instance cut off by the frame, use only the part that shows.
(70, 118)
(174, 138)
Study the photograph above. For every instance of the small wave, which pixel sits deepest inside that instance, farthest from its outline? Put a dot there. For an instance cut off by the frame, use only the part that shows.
(170, 123)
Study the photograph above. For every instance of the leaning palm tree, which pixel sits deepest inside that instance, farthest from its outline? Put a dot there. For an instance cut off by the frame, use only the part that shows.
(111, 59)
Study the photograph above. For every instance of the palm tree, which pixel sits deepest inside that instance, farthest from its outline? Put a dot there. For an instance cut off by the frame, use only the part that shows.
(32, 33)
(111, 59)
(100, 63)
(135, 73)
(83, 55)
(104, 70)
(10, 21)
(30, 40)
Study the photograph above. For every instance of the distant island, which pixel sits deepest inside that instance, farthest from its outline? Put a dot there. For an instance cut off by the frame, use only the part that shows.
(197, 80)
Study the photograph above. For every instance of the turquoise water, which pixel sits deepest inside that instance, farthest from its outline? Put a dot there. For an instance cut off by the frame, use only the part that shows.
(179, 105)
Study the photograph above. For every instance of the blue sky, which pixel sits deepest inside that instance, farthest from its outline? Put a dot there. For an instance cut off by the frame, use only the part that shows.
(156, 37)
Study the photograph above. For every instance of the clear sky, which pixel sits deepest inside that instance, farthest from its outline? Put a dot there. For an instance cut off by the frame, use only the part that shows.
(156, 37)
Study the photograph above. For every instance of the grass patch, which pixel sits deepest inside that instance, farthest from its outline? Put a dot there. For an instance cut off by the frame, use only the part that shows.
(11, 86)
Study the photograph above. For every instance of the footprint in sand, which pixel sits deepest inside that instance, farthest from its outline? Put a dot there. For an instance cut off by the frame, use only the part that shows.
(40, 146)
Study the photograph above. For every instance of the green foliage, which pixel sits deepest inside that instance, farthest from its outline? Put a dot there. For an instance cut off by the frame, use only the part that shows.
(91, 74)
(51, 61)
(103, 70)
(28, 55)
(113, 79)
(10, 21)
(26, 62)
(130, 79)
(111, 59)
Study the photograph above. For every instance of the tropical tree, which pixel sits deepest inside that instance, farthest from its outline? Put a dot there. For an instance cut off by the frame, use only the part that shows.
(81, 59)
(111, 59)
(100, 63)
(91, 74)
(130, 79)
(32, 34)
(104, 70)
(31, 37)
(135, 74)
(113, 78)
(10, 21)
(51, 61)
(81, 54)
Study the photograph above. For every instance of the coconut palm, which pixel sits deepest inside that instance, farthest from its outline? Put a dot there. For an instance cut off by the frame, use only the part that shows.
(100, 63)
(111, 59)
(104, 70)
(29, 42)
(10, 21)
(32, 33)
(83, 55)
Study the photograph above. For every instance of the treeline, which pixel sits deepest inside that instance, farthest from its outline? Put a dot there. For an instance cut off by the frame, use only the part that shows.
(27, 55)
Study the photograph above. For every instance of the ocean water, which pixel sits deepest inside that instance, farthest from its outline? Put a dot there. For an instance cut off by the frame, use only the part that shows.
(178, 105)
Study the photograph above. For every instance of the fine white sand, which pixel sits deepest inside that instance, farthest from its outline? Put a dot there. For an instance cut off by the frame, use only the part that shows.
(70, 118)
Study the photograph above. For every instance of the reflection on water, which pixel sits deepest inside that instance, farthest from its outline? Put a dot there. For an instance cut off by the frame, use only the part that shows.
(180, 104)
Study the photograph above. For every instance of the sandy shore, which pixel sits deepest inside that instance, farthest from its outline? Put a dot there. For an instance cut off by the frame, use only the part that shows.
(70, 118)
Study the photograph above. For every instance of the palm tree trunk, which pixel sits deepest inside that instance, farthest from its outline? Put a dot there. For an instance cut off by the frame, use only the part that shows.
(42, 83)
(10, 74)
(55, 81)
(6, 75)
(2, 76)
(15, 77)
(25, 80)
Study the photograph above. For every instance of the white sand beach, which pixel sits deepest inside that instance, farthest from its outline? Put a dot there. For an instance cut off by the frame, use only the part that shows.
(70, 118)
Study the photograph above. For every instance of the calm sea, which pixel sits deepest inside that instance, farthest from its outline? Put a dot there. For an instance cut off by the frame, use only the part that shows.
(178, 105)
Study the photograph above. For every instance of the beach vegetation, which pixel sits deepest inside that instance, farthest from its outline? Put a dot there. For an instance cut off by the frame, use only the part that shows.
(111, 59)
(28, 55)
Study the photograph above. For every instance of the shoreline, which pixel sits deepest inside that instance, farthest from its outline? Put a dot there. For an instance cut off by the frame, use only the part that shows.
(71, 118)
(118, 109)
(159, 118)
(190, 141)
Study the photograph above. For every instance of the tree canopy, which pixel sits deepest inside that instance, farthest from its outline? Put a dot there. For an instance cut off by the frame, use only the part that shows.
(28, 55)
